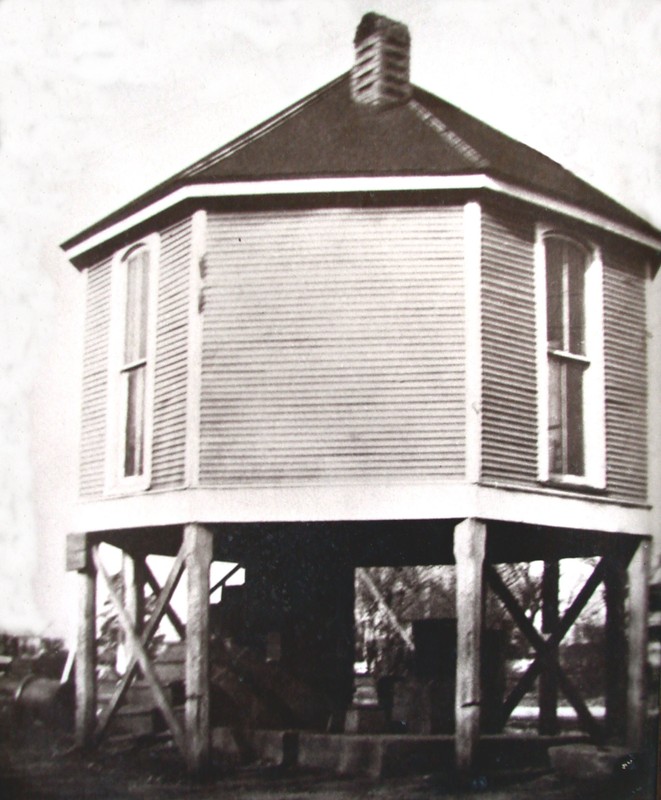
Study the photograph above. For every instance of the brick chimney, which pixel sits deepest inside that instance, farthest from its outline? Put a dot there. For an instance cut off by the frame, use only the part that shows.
(380, 74)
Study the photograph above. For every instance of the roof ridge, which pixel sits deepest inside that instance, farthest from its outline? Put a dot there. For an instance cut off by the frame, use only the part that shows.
(511, 140)
(449, 136)
(258, 131)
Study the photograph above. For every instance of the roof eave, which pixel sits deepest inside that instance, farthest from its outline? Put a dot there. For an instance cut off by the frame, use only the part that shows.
(135, 214)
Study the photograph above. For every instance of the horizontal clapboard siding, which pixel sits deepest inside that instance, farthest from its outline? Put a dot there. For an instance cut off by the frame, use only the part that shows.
(625, 352)
(333, 346)
(170, 378)
(95, 381)
(509, 391)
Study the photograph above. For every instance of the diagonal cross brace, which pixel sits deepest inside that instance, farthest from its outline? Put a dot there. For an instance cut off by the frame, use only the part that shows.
(545, 647)
(225, 578)
(138, 652)
(390, 615)
(171, 614)
(150, 628)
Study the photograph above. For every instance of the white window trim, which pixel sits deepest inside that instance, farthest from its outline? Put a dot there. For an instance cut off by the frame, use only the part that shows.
(116, 482)
(594, 411)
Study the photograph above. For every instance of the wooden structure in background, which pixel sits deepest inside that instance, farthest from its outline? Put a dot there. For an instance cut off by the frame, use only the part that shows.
(371, 331)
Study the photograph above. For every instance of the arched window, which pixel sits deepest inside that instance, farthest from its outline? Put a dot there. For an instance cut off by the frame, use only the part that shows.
(132, 367)
(571, 400)
(565, 329)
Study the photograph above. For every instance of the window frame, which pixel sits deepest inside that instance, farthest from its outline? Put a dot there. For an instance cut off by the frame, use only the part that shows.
(591, 360)
(117, 482)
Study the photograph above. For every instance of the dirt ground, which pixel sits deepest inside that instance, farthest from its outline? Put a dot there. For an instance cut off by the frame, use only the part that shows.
(39, 764)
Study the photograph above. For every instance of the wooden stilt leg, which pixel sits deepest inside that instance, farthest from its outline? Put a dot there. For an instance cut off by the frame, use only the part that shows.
(134, 589)
(469, 550)
(198, 542)
(548, 681)
(639, 569)
(86, 655)
(616, 647)
(134, 599)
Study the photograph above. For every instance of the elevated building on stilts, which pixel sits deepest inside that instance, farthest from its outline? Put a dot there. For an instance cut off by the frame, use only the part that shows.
(372, 331)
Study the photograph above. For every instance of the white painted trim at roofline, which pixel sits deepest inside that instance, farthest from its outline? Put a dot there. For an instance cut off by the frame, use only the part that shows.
(357, 184)
(362, 502)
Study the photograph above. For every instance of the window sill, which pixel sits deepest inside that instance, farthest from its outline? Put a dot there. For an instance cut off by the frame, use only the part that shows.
(574, 484)
(128, 487)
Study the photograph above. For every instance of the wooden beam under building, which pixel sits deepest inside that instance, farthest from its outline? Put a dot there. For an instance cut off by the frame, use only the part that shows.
(86, 642)
(133, 579)
(133, 574)
(639, 571)
(615, 593)
(548, 679)
(198, 543)
(469, 552)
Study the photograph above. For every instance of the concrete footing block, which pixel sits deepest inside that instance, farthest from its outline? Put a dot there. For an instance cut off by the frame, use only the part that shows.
(361, 755)
(276, 748)
(365, 719)
(319, 751)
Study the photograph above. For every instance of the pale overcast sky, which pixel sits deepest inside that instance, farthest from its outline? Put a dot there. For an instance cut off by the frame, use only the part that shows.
(100, 100)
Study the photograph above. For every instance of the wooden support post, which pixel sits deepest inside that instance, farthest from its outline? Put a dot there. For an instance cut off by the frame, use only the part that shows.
(133, 568)
(615, 585)
(198, 542)
(548, 680)
(639, 570)
(469, 550)
(133, 577)
(86, 652)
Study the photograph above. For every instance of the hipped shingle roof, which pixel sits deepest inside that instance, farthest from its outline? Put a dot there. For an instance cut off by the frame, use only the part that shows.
(328, 135)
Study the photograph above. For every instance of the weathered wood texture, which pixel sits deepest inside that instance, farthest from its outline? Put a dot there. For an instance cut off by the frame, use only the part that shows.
(95, 381)
(639, 572)
(77, 552)
(364, 576)
(170, 376)
(509, 418)
(469, 551)
(160, 609)
(509, 391)
(198, 543)
(171, 614)
(133, 573)
(625, 354)
(139, 654)
(86, 656)
(547, 647)
(333, 345)
(334, 348)
(548, 682)
(171, 369)
(615, 586)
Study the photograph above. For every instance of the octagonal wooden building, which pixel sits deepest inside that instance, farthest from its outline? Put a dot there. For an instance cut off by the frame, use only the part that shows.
(371, 331)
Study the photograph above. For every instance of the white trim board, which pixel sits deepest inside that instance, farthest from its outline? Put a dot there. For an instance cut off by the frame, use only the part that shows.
(310, 503)
(297, 186)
